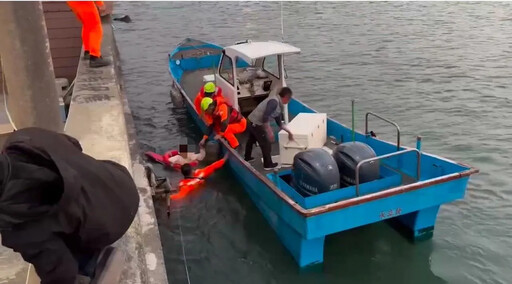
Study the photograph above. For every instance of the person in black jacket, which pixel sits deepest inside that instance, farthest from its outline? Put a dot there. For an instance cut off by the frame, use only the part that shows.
(59, 208)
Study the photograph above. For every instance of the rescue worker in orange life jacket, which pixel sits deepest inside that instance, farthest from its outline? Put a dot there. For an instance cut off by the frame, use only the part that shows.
(92, 31)
(192, 180)
(223, 119)
(209, 90)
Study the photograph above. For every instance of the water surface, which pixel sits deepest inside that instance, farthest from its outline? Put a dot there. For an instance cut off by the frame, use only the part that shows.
(440, 69)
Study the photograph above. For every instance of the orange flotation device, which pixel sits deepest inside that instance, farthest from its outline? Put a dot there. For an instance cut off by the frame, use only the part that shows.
(197, 179)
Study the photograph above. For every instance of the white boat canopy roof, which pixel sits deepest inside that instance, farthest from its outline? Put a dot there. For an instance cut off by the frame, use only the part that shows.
(251, 51)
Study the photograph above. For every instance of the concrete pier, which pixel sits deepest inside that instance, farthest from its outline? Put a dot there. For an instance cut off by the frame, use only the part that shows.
(28, 68)
(100, 118)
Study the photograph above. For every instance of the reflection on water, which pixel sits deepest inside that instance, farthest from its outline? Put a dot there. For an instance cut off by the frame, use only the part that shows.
(440, 69)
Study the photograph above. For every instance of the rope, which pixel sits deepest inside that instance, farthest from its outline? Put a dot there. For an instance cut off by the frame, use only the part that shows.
(5, 101)
(183, 247)
(28, 274)
(282, 22)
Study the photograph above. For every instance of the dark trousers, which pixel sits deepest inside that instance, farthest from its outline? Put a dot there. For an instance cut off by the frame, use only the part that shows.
(87, 262)
(259, 134)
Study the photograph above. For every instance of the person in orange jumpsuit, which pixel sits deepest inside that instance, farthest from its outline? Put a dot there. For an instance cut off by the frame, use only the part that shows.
(224, 119)
(92, 32)
(193, 180)
(209, 90)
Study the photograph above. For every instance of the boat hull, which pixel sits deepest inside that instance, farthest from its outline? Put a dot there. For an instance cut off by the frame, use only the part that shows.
(302, 223)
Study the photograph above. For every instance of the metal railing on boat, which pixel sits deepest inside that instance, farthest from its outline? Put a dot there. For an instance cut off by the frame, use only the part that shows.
(418, 156)
(386, 120)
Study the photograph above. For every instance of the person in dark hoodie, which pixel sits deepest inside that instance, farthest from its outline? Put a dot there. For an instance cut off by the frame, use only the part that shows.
(59, 208)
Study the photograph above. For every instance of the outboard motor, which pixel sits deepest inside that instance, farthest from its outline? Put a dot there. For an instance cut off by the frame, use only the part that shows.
(348, 155)
(314, 171)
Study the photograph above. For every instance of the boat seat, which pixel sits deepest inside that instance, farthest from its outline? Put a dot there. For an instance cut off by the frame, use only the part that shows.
(258, 87)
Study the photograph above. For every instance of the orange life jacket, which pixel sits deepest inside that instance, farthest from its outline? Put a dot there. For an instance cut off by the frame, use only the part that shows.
(222, 116)
(197, 179)
(219, 99)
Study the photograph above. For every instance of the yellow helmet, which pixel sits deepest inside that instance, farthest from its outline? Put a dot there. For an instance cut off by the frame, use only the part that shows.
(205, 103)
(209, 88)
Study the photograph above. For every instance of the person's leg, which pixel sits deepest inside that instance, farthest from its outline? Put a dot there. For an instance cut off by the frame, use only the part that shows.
(233, 129)
(238, 127)
(92, 23)
(85, 43)
(87, 261)
(110, 266)
(75, 7)
(230, 137)
(250, 143)
(265, 145)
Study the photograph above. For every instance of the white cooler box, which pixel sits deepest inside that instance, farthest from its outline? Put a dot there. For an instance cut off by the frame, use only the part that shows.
(309, 131)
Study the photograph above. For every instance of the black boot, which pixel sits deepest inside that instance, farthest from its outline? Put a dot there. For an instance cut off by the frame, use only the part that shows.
(87, 55)
(96, 62)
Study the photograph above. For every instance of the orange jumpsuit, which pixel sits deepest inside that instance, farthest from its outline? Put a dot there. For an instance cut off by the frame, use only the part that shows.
(227, 122)
(92, 32)
(197, 179)
(200, 96)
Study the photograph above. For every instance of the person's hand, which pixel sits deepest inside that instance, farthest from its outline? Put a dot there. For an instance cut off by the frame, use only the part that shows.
(217, 137)
(201, 144)
(101, 9)
(290, 136)
(270, 136)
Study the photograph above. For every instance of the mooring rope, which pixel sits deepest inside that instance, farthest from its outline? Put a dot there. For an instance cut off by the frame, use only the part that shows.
(5, 99)
(28, 274)
(183, 246)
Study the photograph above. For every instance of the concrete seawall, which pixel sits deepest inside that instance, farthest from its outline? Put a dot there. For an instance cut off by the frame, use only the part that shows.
(100, 118)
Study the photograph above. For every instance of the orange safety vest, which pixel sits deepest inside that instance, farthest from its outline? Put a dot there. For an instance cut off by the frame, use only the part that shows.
(218, 97)
(222, 116)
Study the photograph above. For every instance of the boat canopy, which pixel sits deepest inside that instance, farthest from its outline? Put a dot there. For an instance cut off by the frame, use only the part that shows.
(251, 51)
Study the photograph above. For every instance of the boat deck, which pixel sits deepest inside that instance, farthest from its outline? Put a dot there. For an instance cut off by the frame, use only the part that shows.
(192, 83)
(257, 163)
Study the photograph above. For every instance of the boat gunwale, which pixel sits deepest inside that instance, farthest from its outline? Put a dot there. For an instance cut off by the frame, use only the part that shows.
(342, 204)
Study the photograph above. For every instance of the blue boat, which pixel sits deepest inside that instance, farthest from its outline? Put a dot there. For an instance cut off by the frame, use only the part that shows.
(409, 190)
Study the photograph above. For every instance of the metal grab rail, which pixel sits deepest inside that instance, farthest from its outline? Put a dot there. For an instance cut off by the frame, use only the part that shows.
(386, 120)
(418, 155)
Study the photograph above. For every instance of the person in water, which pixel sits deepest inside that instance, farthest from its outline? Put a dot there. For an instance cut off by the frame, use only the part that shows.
(60, 208)
(223, 119)
(194, 179)
(184, 155)
(209, 90)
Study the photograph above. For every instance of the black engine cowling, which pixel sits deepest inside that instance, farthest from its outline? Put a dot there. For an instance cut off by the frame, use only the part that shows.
(348, 155)
(314, 171)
